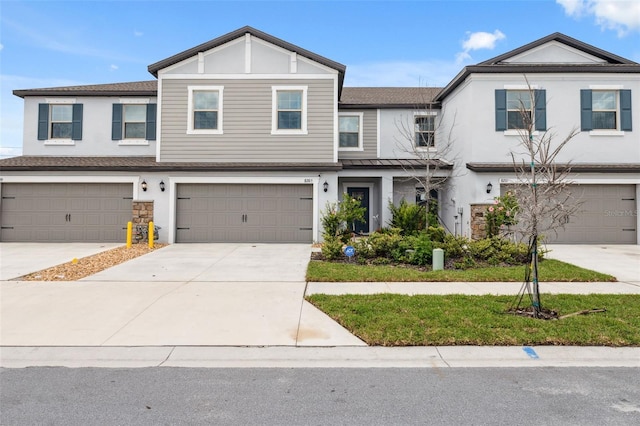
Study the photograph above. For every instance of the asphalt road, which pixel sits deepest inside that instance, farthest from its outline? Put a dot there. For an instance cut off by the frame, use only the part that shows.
(460, 396)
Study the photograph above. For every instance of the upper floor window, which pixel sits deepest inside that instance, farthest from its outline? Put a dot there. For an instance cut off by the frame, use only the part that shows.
(350, 131)
(61, 122)
(205, 109)
(133, 123)
(517, 110)
(605, 110)
(289, 110)
(425, 126)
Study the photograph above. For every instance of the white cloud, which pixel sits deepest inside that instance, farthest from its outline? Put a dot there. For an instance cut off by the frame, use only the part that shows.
(138, 33)
(1, 46)
(477, 41)
(113, 67)
(482, 40)
(622, 16)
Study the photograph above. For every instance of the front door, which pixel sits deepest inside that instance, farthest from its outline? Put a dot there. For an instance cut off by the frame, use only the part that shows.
(361, 194)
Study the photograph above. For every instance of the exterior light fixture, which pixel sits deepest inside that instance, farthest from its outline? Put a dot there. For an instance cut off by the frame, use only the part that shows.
(144, 185)
(325, 186)
(489, 188)
(162, 185)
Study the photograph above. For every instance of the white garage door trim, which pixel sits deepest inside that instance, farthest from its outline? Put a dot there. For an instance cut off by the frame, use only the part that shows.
(282, 180)
(135, 180)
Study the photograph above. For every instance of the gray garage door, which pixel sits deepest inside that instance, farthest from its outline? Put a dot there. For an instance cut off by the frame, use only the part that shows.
(608, 215)
(65, 212)
(244, 213)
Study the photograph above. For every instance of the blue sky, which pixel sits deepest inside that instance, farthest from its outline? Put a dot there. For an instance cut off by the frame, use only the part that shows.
(382, 43)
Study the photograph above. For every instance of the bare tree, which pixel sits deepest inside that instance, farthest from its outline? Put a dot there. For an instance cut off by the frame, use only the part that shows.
(431, 148)
(542, 188)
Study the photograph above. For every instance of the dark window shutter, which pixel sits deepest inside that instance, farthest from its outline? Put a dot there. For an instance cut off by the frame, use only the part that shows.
(625, 110)
(585, 110)
(43, 122)
(501, 109)
(151, 122)
(116, 123)
(76, 125)
(541, 110)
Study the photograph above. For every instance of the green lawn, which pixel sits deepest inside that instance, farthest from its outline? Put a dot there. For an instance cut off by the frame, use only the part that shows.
(400, 320)
(549, 270)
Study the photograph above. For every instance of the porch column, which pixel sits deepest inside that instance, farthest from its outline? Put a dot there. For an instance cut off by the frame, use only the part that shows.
(386, 195)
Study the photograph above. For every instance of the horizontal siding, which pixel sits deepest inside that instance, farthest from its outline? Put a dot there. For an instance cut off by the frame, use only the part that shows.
(247, 120)
(369, 138)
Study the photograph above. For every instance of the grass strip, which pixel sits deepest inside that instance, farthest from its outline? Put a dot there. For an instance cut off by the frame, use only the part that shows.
(429, 320)
(549, 270)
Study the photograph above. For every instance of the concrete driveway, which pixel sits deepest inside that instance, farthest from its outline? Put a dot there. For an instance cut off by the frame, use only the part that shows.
(197, 295)
(621, 261)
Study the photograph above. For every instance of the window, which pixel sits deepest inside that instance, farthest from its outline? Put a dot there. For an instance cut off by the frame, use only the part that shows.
(205, 110)
(61, 122)
(350, 131)
(133, 123)
(289, 110)
(514, 108)
(519, 113)
(425, 131)
(605, 110)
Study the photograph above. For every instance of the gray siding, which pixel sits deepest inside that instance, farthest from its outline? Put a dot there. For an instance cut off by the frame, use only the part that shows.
(247, 119)
(369, 137)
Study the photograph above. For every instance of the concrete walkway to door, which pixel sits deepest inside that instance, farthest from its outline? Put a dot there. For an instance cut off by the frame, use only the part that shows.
(183, 294)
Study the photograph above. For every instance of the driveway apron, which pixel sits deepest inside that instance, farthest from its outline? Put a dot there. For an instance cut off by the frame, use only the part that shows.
(191, 294)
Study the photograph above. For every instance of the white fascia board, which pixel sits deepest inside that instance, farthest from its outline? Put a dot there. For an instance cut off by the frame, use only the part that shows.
(336, 120)
(249, 76)
(603, 180)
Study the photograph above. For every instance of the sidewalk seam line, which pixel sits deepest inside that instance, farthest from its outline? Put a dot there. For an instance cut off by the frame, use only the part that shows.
(168, 356)
(441, 357)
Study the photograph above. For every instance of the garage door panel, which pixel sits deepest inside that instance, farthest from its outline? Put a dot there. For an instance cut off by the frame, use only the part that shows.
(66, 212)
(245, 213)
(607, 215)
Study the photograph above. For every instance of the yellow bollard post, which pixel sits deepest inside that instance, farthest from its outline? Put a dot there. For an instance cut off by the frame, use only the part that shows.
(129, 234)
(150, 234)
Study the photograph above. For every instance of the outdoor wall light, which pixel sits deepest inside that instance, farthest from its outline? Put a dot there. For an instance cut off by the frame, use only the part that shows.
(489, 188)
(325, 185)
(162, 185)
(144, 185)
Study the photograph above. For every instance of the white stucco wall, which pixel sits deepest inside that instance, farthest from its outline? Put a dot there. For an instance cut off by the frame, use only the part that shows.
(96, 130)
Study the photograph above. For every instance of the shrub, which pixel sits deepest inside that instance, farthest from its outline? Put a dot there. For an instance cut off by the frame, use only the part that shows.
(338, 219)
(422, 251)
(502, 212)
(410, 218)
(436, 233)
(332, 248)
(384, 244)
(496, 250)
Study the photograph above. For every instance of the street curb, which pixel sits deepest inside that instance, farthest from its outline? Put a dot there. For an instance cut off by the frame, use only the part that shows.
(319, 357)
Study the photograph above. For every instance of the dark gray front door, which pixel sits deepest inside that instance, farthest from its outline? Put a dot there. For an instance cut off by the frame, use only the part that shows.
(361, 194)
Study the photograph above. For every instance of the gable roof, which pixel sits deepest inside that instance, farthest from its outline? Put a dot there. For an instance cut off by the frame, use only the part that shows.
(154, 68)
(614, 63)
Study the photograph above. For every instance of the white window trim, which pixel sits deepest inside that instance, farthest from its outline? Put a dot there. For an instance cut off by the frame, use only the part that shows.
(520, 132)
(360, 116)
(274, 111)
(132, 141)
(59, 142)
(413, 141)
(190, 129)
(608, 132)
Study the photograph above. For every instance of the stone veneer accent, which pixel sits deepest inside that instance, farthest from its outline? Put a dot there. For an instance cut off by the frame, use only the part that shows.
(478, 224)
(142, 212)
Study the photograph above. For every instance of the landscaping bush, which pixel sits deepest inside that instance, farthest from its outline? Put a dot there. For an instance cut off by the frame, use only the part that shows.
(332, 248)
(338, 219)
(422, 251)
(410, 218)
(436, 233)
(384, 244)
(502, 213)
(496, 250)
